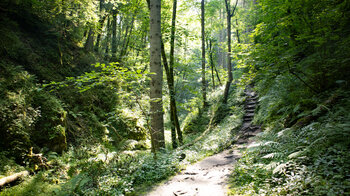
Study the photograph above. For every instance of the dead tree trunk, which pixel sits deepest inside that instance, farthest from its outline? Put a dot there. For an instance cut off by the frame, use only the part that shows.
(13, 177)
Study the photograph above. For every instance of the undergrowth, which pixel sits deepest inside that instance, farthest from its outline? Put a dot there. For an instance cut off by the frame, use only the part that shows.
(98, 170)
(310, 160)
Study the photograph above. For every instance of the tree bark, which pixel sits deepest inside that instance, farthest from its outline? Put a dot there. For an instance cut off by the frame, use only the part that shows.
(237, 31)
(102, 20)
(175, 119)
(217, 74)
(114, 35)
(229, 66)
(13, 177)
(98, 39)
(89, 44)
(157, 122)
(171, 77)
(204, 88)
(211, 62)
(108, 37)
(127, 35)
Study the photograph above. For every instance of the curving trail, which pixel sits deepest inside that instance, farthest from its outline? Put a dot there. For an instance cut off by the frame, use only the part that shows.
(209, 177)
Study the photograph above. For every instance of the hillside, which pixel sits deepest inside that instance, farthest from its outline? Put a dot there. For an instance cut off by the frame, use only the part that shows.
(114, 97)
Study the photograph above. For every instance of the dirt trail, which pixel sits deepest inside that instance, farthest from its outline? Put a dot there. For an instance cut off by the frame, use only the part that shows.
(209, 176)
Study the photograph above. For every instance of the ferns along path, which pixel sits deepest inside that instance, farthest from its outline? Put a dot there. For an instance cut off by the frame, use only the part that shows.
(174, 97)
(210, 175)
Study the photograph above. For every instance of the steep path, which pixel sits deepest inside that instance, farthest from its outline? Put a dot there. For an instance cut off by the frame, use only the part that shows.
(209, 176)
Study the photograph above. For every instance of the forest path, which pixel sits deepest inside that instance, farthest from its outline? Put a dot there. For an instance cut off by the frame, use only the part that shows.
(209, 177)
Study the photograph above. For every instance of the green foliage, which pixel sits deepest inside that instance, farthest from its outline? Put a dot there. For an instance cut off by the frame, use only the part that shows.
(303, 40)
(17, 114)
(298, 62)
(8, 165)
(310, 160)
(36, 185)
(51, 125)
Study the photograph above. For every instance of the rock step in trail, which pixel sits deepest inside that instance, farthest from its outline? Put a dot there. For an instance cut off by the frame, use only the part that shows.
(209, 176)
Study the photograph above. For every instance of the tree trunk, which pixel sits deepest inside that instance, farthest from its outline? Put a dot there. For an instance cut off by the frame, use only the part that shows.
(237, 31)
(108, 37)
(204, 88)
(114, 35)
(98, 39)
(211, 62)
(102, 20)
(229, 66)
(173, 110)
(127, 35)
(13, 177)
(217, 74)
(89, 44)
(156, 109)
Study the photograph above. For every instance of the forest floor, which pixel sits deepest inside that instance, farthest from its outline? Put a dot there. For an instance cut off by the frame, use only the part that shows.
(210, 176)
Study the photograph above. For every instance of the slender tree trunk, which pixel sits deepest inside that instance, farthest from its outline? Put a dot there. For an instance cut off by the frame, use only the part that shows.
(204, 88)
(108, 37)
(237, 31)
(229, 66)
(217, 74)
(114, 35)
(211, 62)
(89, 44)
(98, 39)
(175, 119)
(171, 77)
(127, 35)
(157, 122)
(102, 20)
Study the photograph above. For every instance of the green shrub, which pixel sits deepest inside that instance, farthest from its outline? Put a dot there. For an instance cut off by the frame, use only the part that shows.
(18, 116)
(50, 128)
(309, 160)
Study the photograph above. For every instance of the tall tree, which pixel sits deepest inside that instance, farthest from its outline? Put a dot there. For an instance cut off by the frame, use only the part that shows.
(210, 47)
(114, 34)
(108, 36)
(204, 85)
(229, 14)
(157, 122)
(89, 44)
(175, 125)
(103, 17)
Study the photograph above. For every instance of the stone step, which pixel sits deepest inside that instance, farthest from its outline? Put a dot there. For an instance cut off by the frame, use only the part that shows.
(250, 106)
(248, 135)
(255, 127)
(249, 129)
(252, 97)
(250, 94)
(241, 141)
(250, 102)
(247, 119)
(250, 110)
(249, 114)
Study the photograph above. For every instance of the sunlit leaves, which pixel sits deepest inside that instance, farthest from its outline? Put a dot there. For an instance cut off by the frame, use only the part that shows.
(105, 74)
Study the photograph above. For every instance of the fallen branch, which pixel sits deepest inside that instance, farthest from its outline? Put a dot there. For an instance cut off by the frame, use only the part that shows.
(12, 178)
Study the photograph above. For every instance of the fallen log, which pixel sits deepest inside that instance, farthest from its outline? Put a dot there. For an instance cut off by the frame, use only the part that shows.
(12, 178)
